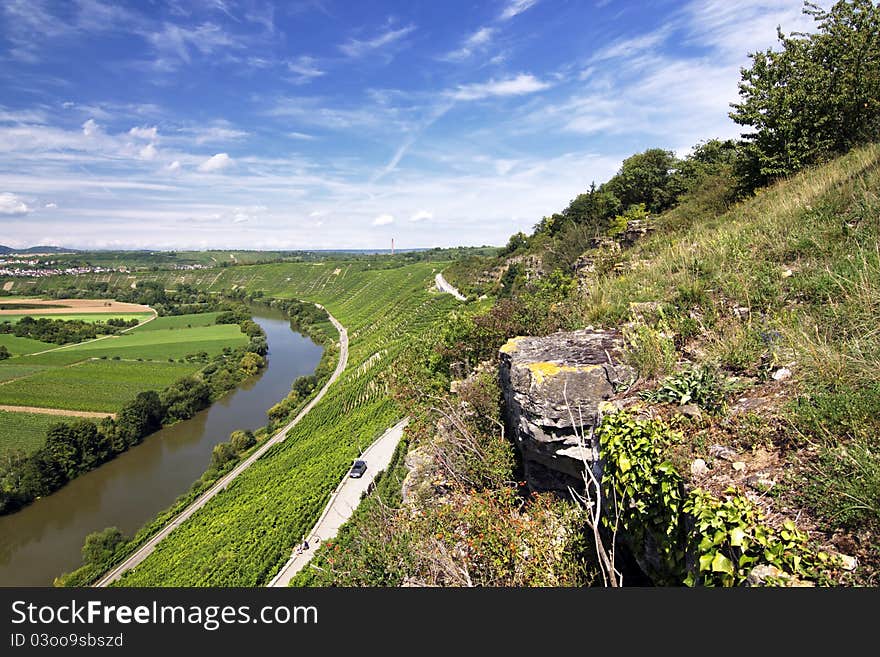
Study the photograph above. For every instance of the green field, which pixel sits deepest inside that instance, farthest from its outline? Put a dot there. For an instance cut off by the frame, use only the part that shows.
(18, 346)
(244, 535)
(179, 321)
(25, 431)
(93, 385)
(83, 317)
(103, 374)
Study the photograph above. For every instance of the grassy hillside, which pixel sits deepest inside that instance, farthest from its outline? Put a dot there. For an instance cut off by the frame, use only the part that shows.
(763, 315)
(244, 535)
(788, 278)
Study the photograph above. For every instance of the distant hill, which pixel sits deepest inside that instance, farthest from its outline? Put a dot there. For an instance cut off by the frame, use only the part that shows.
(36, 249)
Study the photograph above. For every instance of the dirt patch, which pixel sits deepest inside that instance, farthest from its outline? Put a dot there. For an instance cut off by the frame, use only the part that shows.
(54, 411)
(8, 286)
(68, 306)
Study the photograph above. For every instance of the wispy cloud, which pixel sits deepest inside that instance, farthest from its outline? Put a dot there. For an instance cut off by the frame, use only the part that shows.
(476, 42)
(175, 44)
(303, 136)
(357, 48)
(305, 69)
(517, 86)
(516, 7)
(213, 132)
(383, 220)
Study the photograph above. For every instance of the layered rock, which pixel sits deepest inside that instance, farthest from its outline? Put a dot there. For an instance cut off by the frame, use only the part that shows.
(552, 389)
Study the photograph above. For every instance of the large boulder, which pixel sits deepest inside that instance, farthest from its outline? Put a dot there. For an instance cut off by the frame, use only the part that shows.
(552, 389)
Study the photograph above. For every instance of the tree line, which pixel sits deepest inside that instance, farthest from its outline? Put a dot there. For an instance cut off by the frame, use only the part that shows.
(64, 331)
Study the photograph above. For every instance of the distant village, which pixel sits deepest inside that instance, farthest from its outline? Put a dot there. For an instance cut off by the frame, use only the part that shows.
(36, 268)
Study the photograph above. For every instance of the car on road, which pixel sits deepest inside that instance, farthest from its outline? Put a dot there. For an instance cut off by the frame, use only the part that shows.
(358, 469)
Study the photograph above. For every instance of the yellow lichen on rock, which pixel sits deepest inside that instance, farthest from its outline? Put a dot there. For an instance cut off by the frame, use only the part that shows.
(542, 371)
(511, 345)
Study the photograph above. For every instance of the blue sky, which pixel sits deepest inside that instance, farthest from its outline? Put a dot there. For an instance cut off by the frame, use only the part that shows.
(341, 123)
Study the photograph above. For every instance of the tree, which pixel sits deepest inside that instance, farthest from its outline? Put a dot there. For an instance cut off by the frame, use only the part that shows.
(251, 363)
(815, 98)
(242, 440)
(646, 178)
(222, 453)
(100, 546)
(4, 352)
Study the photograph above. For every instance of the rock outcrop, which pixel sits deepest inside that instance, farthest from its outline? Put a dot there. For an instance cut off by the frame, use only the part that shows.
(552, 389)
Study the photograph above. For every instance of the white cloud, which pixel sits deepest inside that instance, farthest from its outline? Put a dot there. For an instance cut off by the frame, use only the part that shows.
(516, 7)
(521, 84)
(214, 132)
(631, 47)
(12, 206)
(240, 218)
(216, 162)
(305, 69)
(50, 206)
(148, 152)
(144, 132)
(383, 220)
(475, 42)
(174, 166)
(358, 48)
(175, 43)
(90, 128)
(421, 215)
(301, 135)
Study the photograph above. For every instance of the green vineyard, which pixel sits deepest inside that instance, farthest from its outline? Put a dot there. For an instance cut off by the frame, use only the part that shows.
(244, 535)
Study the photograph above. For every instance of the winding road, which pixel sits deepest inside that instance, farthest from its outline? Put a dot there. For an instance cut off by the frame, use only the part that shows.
(147, 548)
(344, 500)
(444, 286)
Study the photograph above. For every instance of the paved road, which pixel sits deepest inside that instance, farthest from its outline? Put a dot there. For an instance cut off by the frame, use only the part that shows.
(147, 548)
(344, 500)
(444, 286)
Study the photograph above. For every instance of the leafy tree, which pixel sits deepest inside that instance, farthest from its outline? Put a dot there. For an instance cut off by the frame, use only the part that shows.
(815, 98)
(242, 440)
(251, 363)
(100, 546)
(222, 453)
(647, 178)
(4, 352)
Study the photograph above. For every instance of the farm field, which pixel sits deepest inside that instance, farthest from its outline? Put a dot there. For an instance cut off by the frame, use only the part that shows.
(91, 385)
(103, 374)
(25, 431)
(179, 321)
(241, 538)
(19, 346)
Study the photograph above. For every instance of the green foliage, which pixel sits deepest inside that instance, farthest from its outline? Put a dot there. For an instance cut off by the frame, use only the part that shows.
(647, 178)
(4, 352)
(703, 386)
(645, 489)
(100, 546)
(242, 440)
(729, 538)
(816, 97)
(59, 331)
(699, 539)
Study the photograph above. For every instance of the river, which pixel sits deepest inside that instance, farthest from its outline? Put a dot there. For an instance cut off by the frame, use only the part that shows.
(44, 539)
